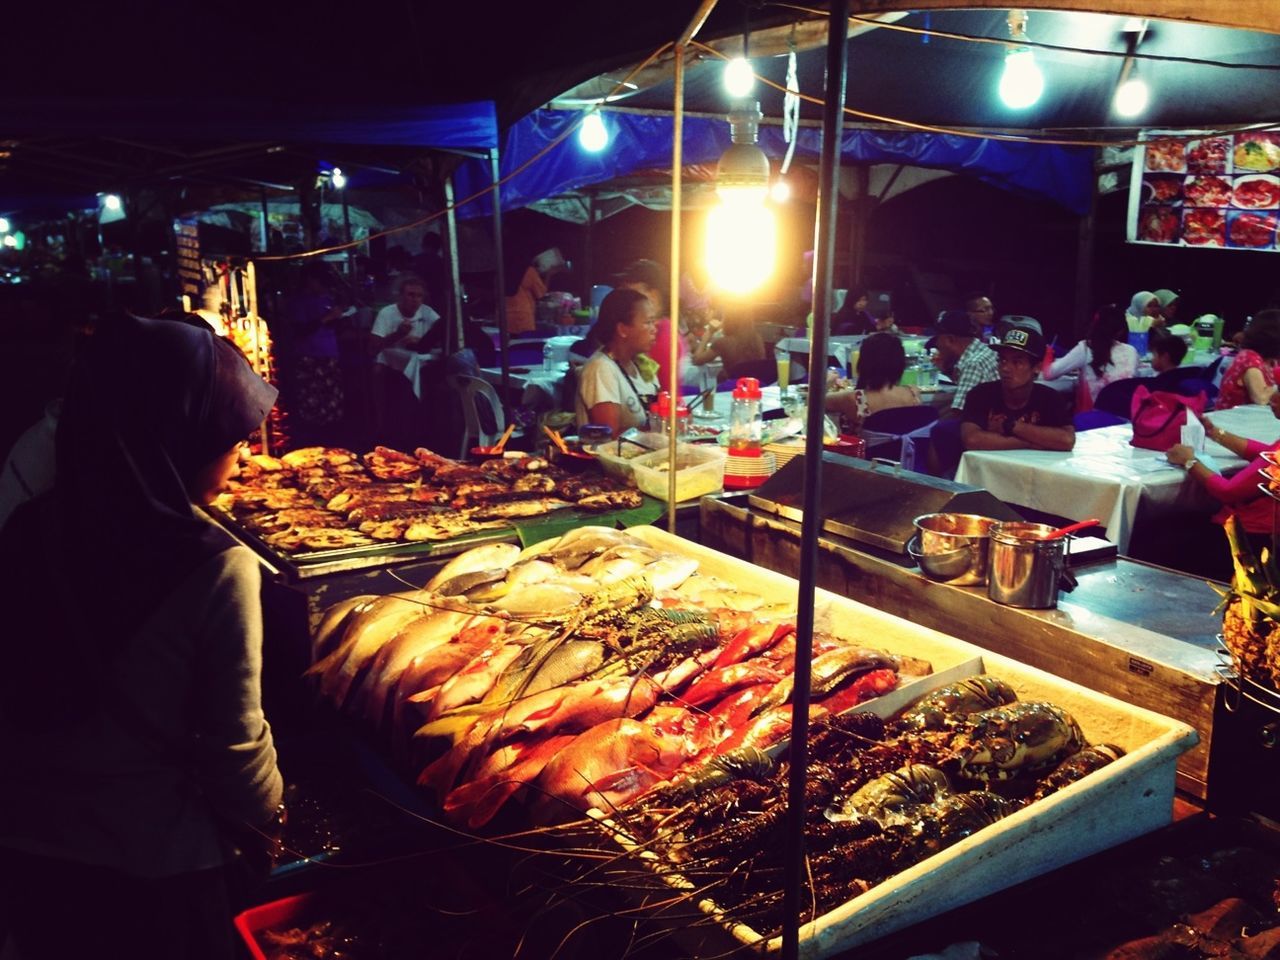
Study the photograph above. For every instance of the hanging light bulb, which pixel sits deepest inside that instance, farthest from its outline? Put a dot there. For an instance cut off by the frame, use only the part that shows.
(338, 178)
(780, 192)
(593, 135)
(112, 202)
(4, 225)
(1131, 97)
(1021, 81)
(739, 77)
(741, 241)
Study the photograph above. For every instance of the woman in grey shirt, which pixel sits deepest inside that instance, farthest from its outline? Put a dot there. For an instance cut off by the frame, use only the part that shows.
(130, 707)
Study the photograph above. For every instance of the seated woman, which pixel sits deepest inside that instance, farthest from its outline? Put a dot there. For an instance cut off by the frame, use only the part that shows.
(1144, 312)
(852, 318)
(739, 341)
(612, 390)
(1104, 357)
(881, 362)
(1239, 494)
(1250, 378)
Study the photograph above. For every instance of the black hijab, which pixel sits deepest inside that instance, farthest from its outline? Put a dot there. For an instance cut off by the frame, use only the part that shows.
(151, 403)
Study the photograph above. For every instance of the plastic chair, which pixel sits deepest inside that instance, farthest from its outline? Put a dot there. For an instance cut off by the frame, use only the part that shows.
(883, 431)
(483, 419)
(1093, 419)
(1117, 398)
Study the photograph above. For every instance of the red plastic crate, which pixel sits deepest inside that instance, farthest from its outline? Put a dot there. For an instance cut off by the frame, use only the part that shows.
(277, 913)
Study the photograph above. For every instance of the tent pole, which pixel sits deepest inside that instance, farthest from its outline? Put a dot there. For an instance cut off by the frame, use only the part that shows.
(673, 374)
(266, 223)
(1084, 262)
(824, 256)
(587, 265)
(500, 281)
(453, 305)
(677, 158)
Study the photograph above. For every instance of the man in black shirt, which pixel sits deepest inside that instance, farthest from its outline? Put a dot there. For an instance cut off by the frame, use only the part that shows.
(1015, 412)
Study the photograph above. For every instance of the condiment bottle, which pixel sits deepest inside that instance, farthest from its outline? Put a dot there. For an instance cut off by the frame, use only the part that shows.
(746, 419)
(660, 415)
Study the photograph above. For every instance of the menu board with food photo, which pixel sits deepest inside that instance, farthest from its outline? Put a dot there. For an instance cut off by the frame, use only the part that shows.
(1219, 190)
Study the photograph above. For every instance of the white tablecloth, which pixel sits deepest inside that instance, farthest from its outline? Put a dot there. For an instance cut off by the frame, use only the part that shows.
(1107, 478)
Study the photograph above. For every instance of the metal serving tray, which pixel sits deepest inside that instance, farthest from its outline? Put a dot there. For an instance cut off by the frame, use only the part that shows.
(1130, 797)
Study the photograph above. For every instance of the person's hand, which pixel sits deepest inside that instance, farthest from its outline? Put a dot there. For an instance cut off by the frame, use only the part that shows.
(1179, 454)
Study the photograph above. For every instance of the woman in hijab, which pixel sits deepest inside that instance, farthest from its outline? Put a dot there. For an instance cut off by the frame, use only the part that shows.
(130, 707)
(1144, 312)
(1168, 305)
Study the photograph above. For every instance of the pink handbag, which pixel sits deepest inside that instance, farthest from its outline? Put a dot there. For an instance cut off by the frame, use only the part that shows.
(1159, 415)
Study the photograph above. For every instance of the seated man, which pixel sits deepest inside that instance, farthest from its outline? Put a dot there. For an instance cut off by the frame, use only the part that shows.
(1015, 412)
(1167, 352)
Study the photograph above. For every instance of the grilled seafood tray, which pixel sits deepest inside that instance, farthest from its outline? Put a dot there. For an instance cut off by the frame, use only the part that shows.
(1123, 795)
(320, 510)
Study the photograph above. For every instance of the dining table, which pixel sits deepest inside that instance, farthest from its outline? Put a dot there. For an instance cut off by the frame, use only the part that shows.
(1105, 476)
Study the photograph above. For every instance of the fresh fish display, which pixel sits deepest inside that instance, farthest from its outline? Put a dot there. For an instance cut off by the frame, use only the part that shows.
(579, 672)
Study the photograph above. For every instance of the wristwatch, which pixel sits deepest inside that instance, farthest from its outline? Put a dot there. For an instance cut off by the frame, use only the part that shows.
(1189, 464)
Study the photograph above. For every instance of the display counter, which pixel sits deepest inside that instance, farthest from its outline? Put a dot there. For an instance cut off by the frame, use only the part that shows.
(1140, 633)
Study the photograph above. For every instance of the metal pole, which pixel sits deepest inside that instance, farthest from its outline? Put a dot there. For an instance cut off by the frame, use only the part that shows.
(266, 223)
(824, 256)
(346, 230)
(454, 302)
(499, 280)
(588, 268)
(673, 374)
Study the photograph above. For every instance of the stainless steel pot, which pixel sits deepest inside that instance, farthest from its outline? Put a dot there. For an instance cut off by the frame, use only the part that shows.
(1026, 568)
(952, 547)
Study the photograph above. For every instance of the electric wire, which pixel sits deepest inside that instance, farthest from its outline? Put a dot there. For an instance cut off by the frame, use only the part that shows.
(1009, 137)
(1004, 42)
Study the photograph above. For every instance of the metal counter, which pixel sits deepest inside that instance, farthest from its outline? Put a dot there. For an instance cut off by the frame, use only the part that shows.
(1134, 631)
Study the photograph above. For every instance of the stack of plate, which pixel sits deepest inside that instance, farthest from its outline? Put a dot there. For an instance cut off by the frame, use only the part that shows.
(784, 450)
(740, 472)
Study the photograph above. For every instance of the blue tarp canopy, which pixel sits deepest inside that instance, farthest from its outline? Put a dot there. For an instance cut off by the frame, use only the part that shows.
(454, 126)
(643, 142)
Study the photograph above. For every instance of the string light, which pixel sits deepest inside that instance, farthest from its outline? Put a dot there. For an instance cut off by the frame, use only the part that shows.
(1131, 97)
(739, 78)
(742, 235)
(1021, 82)
(593, 135)
(338, 178)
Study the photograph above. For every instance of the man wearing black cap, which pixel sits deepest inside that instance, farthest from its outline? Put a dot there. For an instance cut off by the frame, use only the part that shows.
(962, 356)
(1015, 412)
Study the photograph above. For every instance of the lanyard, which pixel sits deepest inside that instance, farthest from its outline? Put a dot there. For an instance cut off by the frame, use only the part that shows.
(631, 383)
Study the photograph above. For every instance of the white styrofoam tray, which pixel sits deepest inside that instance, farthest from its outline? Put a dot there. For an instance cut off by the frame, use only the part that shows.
(1125, 799)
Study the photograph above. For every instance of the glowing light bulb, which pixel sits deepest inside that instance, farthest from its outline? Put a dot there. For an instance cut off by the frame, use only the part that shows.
(1131, 97)
(780, 192)
(4, 225)
(10, 241)
(738, 77)
(742, 240)
(593, 135)
(338, 178)
(112, 202)
(1021, 83)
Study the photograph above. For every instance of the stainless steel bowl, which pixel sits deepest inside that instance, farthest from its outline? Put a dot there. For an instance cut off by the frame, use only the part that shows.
(952, 547)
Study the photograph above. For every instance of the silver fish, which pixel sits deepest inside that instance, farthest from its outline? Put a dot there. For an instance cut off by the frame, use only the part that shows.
(488, 556)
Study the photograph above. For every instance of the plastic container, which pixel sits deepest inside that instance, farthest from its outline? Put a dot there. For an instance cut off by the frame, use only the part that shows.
(548, 358)
(278, 913)
(746, 419)
(699, 471)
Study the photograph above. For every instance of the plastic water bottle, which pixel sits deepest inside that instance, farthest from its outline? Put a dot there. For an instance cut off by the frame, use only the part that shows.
(746, 419)
(548, 358)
